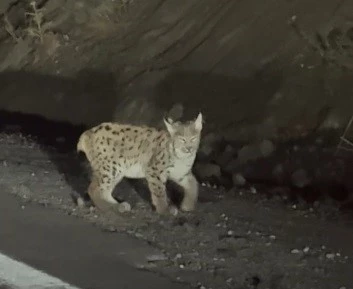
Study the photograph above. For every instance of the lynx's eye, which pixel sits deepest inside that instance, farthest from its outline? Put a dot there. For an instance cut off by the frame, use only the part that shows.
(183, 140)
(193, 139)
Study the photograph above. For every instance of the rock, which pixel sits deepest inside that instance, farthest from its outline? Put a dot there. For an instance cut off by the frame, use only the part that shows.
(300, 178)
(226, 156)
(247, 153)
(208, 145)
(268, 127)
(266, 148)
(80, 202)
(238, 180)
(306, 249)
(295, 251)
(278, 172)
(176, 112)
(124, 207)
(156, 257)
(110, 228)
(173, 211)
(207, 170)
(253, 190)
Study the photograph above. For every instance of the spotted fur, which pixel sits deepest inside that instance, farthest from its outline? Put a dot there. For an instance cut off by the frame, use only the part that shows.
(115, 151)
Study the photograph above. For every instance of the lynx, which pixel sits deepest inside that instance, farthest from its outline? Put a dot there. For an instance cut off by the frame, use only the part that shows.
(115, 151)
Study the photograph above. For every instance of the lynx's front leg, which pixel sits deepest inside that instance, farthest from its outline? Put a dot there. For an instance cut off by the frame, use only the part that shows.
(191, 191)
(157, 187)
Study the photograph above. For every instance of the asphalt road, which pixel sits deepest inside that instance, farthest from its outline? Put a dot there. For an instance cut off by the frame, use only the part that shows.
(69, 249)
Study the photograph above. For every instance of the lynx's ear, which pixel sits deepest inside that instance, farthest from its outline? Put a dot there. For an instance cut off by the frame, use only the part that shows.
(169, 125)
(198, 122)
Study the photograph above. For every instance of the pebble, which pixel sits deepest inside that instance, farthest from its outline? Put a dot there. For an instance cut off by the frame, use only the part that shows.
(316, 204)
(230, 233)
(272, 237)
(156, 257)
(239, 180)
(110, 229)
(178, 256)
(300, 178)
(253, 190)
(330, 256)
(80, 202)
(306, 249)
(266, 147)
(294, 251)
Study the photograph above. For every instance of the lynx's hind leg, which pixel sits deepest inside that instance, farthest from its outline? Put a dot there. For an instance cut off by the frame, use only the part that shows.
(100, 191)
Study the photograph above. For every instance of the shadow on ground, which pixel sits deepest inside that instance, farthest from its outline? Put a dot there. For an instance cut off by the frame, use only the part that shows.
(89, 98)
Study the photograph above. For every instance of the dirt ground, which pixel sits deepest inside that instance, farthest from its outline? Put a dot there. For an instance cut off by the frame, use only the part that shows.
(270, 78)
(236, 239)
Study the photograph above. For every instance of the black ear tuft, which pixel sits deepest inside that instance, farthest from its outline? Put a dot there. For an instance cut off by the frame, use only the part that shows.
(168, 120)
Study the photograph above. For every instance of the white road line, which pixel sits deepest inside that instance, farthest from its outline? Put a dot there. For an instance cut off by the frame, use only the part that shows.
(22, 276)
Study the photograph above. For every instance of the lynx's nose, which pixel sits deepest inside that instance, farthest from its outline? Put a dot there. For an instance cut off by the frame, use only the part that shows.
(188, 149)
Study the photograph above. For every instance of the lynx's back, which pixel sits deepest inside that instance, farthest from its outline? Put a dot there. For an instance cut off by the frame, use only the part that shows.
(121, 147)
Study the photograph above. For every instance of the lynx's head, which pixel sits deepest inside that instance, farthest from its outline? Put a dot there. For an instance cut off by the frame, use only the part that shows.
(185, 136)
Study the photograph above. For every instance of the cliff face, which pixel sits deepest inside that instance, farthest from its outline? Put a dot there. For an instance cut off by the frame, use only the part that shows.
(255, 68)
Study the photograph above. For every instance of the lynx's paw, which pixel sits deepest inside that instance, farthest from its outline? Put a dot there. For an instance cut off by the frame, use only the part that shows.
(167, 210)
(187, 207)
(124, 207)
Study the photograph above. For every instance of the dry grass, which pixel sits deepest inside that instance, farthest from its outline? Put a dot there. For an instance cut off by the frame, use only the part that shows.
(331, 46)
(36, 27)
(106, 18)
(344, 143)
(10, 29)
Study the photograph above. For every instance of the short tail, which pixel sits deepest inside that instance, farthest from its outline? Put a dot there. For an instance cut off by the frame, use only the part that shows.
(82, 143)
